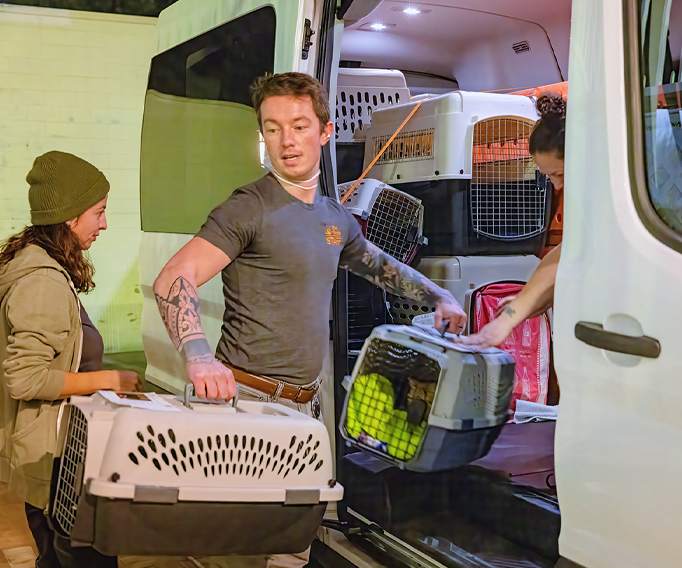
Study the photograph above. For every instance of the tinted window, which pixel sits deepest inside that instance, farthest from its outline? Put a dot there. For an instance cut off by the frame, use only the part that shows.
(662, 92)
(200, 133)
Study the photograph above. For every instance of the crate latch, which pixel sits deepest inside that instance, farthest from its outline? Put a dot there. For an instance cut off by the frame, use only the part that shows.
(307, 35)
(302, 497)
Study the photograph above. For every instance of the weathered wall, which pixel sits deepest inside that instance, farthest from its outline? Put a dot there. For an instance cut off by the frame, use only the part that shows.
(75, 81)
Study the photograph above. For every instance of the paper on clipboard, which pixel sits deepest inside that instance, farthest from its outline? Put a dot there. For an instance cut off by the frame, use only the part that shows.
(145, 400)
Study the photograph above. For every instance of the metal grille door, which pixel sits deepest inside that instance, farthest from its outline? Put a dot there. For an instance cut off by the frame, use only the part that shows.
(394, 222)
(508, 197)
(71, 471)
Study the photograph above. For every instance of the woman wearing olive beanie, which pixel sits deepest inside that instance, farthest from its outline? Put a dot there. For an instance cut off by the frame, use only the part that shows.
(49, 348)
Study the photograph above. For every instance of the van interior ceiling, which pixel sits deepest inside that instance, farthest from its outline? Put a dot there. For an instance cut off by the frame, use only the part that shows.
(473, 45)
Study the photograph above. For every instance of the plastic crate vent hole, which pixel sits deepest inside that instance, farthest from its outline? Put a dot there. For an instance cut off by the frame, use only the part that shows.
(225, 454)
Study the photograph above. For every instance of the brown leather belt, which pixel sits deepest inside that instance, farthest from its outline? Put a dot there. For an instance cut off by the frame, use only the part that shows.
(269, 386)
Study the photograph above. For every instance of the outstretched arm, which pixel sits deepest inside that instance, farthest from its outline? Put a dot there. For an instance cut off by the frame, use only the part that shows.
(536, 297)
(175, 290)
(397, 278)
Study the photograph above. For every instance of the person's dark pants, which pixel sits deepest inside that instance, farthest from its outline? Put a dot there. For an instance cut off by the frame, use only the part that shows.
(55, 551)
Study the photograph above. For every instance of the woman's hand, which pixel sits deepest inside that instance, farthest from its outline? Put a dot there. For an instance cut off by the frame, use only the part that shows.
(124, 381)
(490, 335)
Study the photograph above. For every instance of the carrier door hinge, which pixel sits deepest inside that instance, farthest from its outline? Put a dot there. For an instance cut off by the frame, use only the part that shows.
(302, 497)
(307, 34)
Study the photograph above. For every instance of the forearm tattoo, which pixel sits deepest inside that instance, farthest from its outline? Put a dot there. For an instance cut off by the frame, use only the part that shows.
(397, 278)
(180, 313)
(511, 312)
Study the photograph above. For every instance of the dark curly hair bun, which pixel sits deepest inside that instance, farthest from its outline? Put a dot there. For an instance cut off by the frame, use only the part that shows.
(551, 105)
(549, 132)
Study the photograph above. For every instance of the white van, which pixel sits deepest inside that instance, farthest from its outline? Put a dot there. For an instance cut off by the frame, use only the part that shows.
(605, 494)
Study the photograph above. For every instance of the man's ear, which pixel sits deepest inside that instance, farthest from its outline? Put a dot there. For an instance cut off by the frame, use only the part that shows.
(327, 132)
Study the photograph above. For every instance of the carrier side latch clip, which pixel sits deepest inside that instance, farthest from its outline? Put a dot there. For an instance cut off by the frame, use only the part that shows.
(307, 42)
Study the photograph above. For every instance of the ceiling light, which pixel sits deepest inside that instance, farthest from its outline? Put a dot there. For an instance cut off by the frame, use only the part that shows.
(378, 27)
(411, 11)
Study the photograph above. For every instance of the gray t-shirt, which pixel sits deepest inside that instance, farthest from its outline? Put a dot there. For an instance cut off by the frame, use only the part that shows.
(285, 254)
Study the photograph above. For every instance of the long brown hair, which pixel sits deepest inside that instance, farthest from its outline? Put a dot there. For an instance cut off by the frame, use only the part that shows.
(61, 243)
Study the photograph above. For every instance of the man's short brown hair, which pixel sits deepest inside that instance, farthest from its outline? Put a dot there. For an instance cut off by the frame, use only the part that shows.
(295, 85)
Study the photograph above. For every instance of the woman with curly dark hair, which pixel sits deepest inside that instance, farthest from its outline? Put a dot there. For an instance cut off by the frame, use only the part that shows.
(49, 348)
(546, 145)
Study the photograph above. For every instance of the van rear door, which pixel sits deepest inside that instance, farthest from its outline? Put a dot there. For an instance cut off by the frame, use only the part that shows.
(618, 304)
(200, 136)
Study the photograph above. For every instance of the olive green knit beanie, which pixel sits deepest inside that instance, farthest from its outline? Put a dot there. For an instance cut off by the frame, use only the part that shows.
(62, 187)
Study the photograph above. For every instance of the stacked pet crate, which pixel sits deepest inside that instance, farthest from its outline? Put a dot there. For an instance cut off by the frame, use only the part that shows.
(360, 93)
(486, 205)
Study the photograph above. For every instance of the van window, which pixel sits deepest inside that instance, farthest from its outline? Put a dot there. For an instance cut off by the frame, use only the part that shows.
(661, 37)
(200, 133)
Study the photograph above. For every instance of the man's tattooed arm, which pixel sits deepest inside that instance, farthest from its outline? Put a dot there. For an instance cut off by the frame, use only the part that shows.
(180, 314)
(397, 278)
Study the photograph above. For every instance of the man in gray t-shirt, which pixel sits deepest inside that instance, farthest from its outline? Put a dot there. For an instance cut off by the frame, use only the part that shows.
(278, 244)
(278, 287)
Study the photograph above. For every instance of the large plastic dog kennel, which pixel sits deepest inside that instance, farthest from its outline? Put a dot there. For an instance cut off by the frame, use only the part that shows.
(211, 480)
(423, 403)
(465, 156)
(360, 93)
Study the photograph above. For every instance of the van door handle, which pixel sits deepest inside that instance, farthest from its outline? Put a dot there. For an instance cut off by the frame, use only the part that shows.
(595, 335)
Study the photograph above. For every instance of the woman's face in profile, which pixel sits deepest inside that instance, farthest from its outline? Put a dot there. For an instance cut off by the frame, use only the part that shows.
(88, 226)
(552, 166)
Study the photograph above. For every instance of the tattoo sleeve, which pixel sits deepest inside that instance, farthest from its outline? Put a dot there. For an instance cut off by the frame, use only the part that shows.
(180, 314)
(397, 278)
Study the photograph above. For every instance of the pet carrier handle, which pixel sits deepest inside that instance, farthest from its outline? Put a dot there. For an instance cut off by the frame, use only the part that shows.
(595, 335)
(190, 392)
(374, 161)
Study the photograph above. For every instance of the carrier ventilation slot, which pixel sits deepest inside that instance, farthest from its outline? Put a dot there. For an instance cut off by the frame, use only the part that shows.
(406, 147)
(394, 222)
(71, 474)
(508, 194)
(403, 310)
(521, 47)
(228, 454)
(354, 108)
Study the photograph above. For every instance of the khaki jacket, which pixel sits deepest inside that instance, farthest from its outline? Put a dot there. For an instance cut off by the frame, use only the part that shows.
(40, 339)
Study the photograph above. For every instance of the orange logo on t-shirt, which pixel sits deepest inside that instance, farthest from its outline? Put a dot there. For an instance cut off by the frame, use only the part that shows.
(333, 235)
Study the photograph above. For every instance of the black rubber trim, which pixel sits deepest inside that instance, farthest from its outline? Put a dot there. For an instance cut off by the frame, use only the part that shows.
(343, 8)
(635, 127)
(595, 335)
(566, 563)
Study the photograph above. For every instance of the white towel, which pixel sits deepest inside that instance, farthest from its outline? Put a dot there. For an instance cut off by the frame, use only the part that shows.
(527, 411)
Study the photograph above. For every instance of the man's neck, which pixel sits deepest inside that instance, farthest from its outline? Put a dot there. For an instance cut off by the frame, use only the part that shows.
(305, 195)
(304, 190)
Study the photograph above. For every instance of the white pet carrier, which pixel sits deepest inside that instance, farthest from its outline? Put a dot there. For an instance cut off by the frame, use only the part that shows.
(465, 155)
(423, 403)
(391, 219)
(359, 93)
(205, 480)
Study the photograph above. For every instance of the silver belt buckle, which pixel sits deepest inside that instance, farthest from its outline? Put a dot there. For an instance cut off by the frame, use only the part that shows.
(315, 407)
